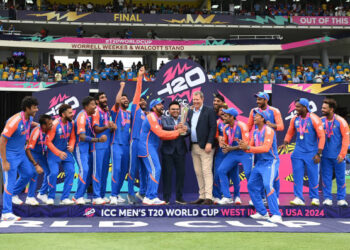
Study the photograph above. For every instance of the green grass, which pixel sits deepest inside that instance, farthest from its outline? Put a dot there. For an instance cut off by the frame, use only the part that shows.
(192, 241)
(334, 186)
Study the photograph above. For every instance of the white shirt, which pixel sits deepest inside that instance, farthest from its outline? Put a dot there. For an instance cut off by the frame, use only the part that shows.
(194, 122)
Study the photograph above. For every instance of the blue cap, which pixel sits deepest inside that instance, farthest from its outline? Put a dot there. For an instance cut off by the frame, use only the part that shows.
(143, 97)
(263, 95)
(305, 103)
(262, 113)
(231, 111)
(154, 102)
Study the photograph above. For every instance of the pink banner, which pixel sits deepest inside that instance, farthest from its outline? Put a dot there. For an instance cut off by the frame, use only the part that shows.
(308, 42)
(128, 41)
(321, 20)
(25, 85)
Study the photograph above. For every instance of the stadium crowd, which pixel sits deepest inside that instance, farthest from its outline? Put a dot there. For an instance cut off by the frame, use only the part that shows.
(219, 143)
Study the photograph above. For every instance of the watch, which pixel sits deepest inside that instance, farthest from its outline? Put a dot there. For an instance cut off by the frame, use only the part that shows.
(320, 155)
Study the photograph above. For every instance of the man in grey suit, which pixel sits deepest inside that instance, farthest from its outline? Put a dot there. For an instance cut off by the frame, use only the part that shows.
(173, 155)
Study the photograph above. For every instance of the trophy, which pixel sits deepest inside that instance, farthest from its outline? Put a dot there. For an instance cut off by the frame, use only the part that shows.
(184, 113)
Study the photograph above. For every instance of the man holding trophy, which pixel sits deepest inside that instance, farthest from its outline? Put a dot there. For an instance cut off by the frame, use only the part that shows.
(174, 152)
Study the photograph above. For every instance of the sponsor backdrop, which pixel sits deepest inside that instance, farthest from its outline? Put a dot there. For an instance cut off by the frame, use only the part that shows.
(177, 80)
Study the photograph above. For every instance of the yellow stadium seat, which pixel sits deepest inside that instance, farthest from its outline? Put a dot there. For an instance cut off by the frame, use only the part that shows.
(225, 80)
(17, 77)
(331, 78)
(345, 70)
(5, 75)
(266, 81)
(338, 67)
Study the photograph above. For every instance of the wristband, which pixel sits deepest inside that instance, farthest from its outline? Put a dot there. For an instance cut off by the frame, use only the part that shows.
(36, 164)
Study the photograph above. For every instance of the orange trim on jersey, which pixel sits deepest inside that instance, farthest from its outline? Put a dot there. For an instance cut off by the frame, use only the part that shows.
(291, 130)
(250, 123)
(157, 129)
(51, 136)
(130, 176)
(344, 186)
(152, 178)
(268, 140)
(11, 125)
(344, 130)
(33, 180)
(96, 118)
(315, 187)
(6, 191)
(113, 180)
(318, 126)
(278, 118)
(34, 135)
(81, 179)
(273, 190)
(94, 178)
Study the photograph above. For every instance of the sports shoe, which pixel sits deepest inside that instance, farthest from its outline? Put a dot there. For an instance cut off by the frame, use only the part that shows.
(131, 199)
(216, 200)
(225, 201)
(31, 201)
(251, 203)
(258, 216)
(10, 217)
(120, 199)
(106, 200)
(66, 202)
(275, 219)
(327, 202)
(238, 201)
(42, 197)
(342, 203)
(113, 201)
(297, 202)
(140, 196)
(315, 202)
(153, 202)
(87, 200)
(98, 201)
(16, 200)
(50, 202)
(80, 201)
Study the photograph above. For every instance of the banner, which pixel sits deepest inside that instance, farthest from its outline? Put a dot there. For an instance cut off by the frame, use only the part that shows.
(16, 85)
(321, 20)
(284, 99)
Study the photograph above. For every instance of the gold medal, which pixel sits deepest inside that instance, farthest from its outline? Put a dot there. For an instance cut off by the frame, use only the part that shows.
(301, 137)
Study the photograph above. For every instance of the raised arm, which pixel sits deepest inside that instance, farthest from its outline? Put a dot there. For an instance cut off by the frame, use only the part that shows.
(138, 89)
(119, 95)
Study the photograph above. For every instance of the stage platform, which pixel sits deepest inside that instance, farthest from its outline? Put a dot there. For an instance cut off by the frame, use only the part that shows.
(178, 211)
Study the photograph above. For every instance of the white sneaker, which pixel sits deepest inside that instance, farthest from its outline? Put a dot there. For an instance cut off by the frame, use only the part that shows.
(275, 219)
(50, 202)
(251, 203)
(10, 217)
(258, 216)
(153, 202)
(106, 200)
(238, 201)
(114, 200)
(146, 201)
(327, 202)
(225, 201)
(42, 197)
(120, 199)
(16, 200)
(297, 202)
(216, 200)
(140, 196)
(80, 201)
(66, 202)
(157, 201)
(98, 201)
(342, 203)
(31, 201)
(87, 200)
(315, 202)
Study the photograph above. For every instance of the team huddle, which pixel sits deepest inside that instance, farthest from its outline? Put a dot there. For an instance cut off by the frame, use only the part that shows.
(129, 138)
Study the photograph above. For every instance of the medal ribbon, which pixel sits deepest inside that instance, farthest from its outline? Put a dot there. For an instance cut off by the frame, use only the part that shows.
(43, 146)
(105, 115)
(258, 141)
(231, 134)
(329, 129)
(89, 123)
(26, 125)
(303, 124)
(63, 130)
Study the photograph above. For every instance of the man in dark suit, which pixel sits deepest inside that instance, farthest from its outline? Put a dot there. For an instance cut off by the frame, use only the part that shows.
(173, 155)
(202, 123)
